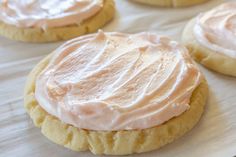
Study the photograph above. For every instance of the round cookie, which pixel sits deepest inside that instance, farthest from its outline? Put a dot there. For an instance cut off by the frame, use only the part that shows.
(121, 142)
(172, 3)
(52, 34)
(208, 57)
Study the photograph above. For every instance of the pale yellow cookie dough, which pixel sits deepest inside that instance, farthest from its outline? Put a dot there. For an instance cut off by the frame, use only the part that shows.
(212, 60)
(60, 33)
(171, 3)
(111, 142)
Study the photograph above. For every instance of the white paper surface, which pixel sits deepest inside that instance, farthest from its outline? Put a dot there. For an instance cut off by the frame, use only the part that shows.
(214, 136)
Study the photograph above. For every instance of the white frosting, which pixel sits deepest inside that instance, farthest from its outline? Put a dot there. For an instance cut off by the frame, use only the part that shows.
(216, 29)
(47, 13)
(115, 81)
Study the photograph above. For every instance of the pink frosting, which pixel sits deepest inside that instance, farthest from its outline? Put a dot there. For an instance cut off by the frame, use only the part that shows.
(47, 13)
(216, 29)
(115, 81)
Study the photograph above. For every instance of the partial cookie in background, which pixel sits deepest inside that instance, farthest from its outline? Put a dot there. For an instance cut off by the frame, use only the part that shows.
(171, 3)
(210, 38)
(52, 21)
(139, 93)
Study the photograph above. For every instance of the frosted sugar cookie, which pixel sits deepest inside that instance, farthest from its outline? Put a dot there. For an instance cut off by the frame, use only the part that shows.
(171, 3)
(211, 38)
(52, 20)
(115, 93)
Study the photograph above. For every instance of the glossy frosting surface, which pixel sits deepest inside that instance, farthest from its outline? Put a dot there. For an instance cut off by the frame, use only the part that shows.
(216, 29)
(115, 81)
(47, 13)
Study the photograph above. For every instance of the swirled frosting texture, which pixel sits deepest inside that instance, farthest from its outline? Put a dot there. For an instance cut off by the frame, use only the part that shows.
(47, 13)
(114, 81)
(216, 29)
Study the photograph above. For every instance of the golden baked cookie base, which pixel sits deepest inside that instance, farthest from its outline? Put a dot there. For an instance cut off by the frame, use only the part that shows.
(111, 142)
(171, 3)
(60, 33)
(212, 60)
